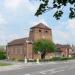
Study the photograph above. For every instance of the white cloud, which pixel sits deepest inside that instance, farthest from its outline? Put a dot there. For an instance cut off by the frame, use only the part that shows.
(12, 37)
(71, 25)
(29, 5)
(39, 20)
(14, 4)
(61, 36)
(3, 26)
(65, 33)
(2, 20)
(4, 39)
(71, 28)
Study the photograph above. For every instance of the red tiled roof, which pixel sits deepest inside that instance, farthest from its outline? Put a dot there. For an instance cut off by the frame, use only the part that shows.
(18, 41)
(62, 46)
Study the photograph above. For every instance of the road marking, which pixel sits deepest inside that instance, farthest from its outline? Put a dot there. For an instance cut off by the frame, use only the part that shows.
(65, 62)
(26, 74)
(56, 71)
(42, 72)
(27, 65)
(61, 68)
(33, 65)
(46, 71)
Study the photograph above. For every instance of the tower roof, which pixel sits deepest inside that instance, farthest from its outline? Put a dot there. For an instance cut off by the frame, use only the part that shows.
(41, 25)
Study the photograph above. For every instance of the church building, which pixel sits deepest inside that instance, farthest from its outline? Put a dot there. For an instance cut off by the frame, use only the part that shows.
(21, 48)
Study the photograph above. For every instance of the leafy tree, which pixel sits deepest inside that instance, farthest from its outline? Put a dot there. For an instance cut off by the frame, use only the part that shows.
(59, 5)
(43, 46)
(2, 53)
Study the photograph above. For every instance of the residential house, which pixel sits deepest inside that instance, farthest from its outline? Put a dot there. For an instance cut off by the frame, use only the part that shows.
(63, 50)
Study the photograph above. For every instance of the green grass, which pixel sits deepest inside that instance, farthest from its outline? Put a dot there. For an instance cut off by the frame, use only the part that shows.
(4, 64)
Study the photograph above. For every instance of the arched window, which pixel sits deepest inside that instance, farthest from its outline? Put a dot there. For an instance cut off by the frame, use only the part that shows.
(46, 31)
(39, 30)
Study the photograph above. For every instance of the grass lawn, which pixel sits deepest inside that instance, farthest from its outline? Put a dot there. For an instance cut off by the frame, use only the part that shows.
(4, 64)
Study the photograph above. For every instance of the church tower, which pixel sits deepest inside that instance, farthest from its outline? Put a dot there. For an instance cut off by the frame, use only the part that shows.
(40, 31)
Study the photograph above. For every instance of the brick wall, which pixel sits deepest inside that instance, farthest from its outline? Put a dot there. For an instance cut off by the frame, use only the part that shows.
(39, 33)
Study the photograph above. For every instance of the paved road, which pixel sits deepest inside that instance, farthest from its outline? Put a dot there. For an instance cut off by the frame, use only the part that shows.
(57, 68)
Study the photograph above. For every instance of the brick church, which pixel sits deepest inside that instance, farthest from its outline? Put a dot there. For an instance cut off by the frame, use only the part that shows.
(21, 48)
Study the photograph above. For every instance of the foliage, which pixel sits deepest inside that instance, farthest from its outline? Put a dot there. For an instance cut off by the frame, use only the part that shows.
(58, 5)
(2, 55)
(62, 58)
(43, 46)
(54, 59)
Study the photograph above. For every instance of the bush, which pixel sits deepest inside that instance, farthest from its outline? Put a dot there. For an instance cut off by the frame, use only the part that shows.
(2, 55)
(55, 58)
(59, 58)
(65, 58)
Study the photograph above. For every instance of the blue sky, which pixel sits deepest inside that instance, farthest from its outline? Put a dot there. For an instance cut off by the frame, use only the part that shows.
(17, 16)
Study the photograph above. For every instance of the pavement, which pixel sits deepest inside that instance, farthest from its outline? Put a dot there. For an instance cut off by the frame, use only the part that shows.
(44, 68)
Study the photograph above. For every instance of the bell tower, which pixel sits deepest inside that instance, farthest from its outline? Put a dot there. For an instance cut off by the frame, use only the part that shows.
(40, 31)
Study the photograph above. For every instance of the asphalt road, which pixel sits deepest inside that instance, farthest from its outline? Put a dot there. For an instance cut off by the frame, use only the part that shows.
(57, 68)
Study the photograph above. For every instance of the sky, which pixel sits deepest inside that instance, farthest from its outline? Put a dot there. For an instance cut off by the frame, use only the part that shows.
(17, 16)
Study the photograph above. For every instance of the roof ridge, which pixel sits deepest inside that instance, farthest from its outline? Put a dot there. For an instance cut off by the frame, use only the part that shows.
(41, 25)
(18, 41)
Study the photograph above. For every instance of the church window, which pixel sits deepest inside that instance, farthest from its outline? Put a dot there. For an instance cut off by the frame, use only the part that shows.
(46, 31)
(39, 30)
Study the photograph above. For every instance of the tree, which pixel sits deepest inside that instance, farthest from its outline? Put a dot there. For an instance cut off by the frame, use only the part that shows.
(43, 46)
(58, 5)
(2, 53)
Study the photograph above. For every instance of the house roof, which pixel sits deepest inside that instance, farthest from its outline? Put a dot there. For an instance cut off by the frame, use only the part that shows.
(18, 41)
(59, 46)
(62, 46)
(41, 25)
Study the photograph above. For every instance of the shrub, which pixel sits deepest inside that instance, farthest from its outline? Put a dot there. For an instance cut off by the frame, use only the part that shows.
(2, 55)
